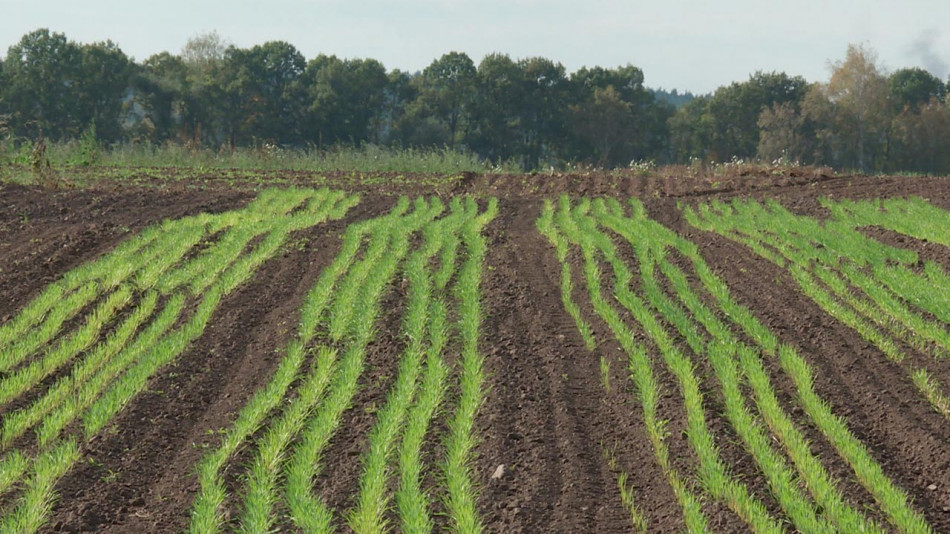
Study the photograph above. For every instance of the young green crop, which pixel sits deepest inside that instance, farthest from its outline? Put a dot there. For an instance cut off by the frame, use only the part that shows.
(640, 367)
(341, 311)
(82, 391)
(33, 507)
(119, 294)
(722, 351)
(28, 376)
(866, 284)
(720, 484)
(373, 501)
(461, 440)
(733, 363)
(17, 422)
(789, 237)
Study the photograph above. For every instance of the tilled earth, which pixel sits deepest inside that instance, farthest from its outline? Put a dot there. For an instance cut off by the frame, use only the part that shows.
(547, 419)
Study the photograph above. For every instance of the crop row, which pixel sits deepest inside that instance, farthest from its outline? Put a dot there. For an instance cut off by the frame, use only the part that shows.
(643, 278)
(88, 343)
(883, 292)
(287, 425)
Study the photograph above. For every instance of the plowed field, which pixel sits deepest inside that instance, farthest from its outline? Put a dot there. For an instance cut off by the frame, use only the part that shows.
(583, 418)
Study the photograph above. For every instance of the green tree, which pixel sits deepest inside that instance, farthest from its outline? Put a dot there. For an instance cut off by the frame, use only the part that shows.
(4, 108)
(691, 130)
(606, 122)
(616, 120)
(725, 125)
(106, 77)
(496, 112)
(390, 127)
(913, 88)
(544, 116)
(922, 139)
(446, 91)
(206, 105)
(203, 52)
(627, 81)
(43, 74)
(346, 99)
(265, 92)
(784, 136)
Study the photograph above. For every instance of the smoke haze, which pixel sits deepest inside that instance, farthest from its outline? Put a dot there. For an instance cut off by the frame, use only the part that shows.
(924, 50)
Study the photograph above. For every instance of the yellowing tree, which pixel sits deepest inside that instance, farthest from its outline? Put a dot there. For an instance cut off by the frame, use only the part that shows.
(851, 112)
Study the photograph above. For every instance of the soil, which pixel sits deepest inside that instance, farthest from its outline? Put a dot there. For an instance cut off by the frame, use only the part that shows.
(561, 436)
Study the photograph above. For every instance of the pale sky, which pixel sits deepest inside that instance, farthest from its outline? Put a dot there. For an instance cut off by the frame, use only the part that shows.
(694, 45)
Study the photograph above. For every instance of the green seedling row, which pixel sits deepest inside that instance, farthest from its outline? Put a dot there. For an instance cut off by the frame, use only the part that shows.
(814, 272)
(868, 285)
(671, 308)
(419, 243)
(641, 369)
(723, 350)
(108, 326)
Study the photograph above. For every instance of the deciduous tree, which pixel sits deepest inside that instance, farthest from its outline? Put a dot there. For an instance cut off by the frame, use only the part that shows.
(496, 114)
(161, 89)
(345, 99)
(43, 73)
(264, 86)
(852, 112)
(105, 80)
(446, 91)
(913, 88)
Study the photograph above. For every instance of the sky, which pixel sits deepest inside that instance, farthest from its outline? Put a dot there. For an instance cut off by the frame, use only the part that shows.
(688, 45)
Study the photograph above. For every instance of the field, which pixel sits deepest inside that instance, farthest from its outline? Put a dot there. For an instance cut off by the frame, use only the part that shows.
(224, 352)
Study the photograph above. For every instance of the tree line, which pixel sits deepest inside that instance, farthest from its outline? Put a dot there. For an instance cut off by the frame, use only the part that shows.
(528, 111)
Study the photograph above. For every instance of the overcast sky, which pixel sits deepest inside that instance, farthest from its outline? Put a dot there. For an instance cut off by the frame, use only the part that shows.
(694, 45)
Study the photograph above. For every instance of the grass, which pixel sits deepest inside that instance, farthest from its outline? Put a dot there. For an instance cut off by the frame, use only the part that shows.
(637, 519)
(125, 162)
(17, 422)
(32, 509)
(460, 442)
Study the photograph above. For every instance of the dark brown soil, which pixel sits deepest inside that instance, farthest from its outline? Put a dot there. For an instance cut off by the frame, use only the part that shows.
(548, 418)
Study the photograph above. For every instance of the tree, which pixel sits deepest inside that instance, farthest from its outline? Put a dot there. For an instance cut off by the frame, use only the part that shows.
(781, 135)
(922, 139)
(546, 91)
(627, 82)
(345, 99)
(725, 125)
(204, 51)
(446, 92)
(206, 105)
(913, 88)
(43, 72)
(3, 98)
(691, 130)
(851, 113)
(263, 86)
(616, 118)
(605, 122)
(390, 125)
(105, 79)
(161, 90)
(496, 113)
